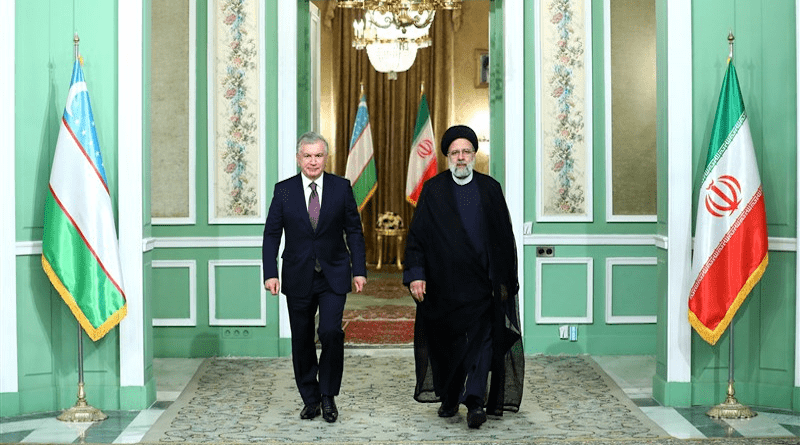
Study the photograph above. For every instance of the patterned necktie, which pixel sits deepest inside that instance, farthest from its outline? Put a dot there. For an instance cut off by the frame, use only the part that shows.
(313, 206)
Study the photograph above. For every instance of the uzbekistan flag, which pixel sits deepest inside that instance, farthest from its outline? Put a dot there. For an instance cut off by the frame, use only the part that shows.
(422, 163)
(730, 251)
(80, 253)
(360, 159)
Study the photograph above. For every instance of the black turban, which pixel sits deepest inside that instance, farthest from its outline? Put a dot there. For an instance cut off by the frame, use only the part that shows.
(458, 132)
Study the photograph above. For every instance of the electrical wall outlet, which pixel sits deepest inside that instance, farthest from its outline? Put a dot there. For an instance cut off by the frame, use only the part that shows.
(545, 251)
(563, 332)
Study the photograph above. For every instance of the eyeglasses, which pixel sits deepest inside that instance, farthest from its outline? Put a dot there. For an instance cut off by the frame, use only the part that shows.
(456, 153)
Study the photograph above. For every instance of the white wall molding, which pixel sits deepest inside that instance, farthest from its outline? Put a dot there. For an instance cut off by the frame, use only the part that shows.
(591, 240)
(8, 228)
(207, 241)
(148, 244)
(776, 244)
(191, 320)
(213, 320)
(589, 317)
(130, 120)
(625, 261)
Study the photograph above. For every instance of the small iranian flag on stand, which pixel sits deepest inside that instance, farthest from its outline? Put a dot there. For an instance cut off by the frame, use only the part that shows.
(730, 250)
(422, 163)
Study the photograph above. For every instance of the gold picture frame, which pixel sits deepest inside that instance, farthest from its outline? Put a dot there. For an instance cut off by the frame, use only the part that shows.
(481, 68)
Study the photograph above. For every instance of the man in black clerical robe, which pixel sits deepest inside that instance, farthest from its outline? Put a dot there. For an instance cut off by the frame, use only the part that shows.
(461, 268)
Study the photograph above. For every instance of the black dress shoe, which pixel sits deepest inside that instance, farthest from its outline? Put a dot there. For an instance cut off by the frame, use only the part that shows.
(494, 411)
(310, 411)
(329, 411)
(476, 417)
(447, 411)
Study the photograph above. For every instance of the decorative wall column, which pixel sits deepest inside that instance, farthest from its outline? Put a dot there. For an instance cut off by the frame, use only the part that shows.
(8, 259)
(797, 230)
(513, 99)
(679, 162)
(130, 87)
(287, 104)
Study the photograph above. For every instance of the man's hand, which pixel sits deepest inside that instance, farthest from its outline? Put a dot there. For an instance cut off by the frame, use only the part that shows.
(359, 282)
(273, 285)
(417, 288)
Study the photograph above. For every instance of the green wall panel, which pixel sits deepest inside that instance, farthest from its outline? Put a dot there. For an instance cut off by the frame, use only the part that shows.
(564, 290)
(595, 338)
(238, 292)
(634, 290)
(205, 340)
(171, 292)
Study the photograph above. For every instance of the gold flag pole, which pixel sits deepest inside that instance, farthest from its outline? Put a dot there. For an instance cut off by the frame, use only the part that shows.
(82, 411)
(730, 408)
(360, 94)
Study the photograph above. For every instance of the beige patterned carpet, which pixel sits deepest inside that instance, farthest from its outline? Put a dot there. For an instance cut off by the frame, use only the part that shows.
(229, 400)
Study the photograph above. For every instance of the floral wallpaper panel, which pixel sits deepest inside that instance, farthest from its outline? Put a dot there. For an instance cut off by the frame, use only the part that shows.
(235, 146)
(565, 166)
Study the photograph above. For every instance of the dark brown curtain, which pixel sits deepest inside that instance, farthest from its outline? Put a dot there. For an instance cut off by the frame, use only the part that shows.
(392, 106)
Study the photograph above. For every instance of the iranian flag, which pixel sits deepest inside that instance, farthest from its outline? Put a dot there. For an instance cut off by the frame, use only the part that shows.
(80, 253)
(730, 250)
(360, 159)
(422, 163)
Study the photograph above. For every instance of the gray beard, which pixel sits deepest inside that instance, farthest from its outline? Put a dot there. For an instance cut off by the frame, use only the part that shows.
(461, 172)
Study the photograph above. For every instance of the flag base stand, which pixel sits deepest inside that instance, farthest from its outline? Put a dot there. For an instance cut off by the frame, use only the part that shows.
(82, 411)
(731, 408)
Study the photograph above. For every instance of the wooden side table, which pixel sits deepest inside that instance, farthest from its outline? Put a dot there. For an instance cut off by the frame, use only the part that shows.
(390, 234)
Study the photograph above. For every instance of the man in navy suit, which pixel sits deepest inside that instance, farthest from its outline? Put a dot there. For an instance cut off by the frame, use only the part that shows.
(324, 247)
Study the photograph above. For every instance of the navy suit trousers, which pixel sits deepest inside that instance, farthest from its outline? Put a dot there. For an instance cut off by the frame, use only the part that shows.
(314, 377)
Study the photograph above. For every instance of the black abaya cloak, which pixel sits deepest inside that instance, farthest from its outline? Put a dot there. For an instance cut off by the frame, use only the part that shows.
(460, 294)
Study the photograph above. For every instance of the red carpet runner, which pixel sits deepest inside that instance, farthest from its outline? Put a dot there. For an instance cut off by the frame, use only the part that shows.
(386, 332)
(383, 314)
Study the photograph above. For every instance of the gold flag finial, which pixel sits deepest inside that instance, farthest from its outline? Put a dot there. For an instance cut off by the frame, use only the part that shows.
(730, 45)
(422, 88)
(76, 40)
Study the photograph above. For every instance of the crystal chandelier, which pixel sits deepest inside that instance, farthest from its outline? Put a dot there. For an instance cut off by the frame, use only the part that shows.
(392, 30)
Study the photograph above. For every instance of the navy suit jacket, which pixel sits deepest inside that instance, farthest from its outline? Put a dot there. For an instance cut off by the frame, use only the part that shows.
(338, 242)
